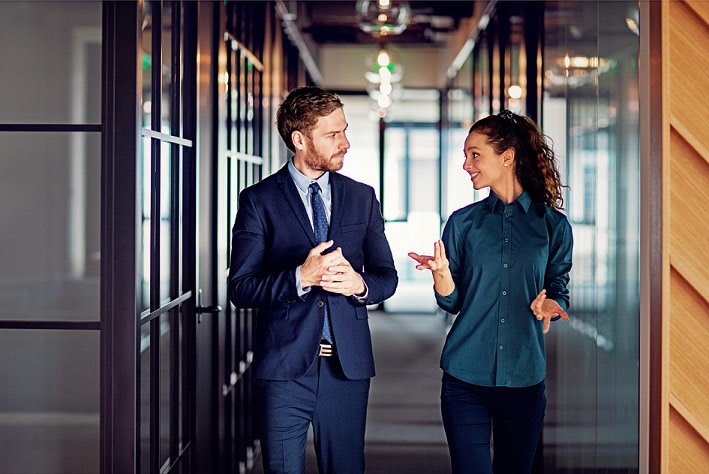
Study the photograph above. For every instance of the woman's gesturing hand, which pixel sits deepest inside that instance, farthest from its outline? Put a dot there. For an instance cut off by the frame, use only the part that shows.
(438, 264)
(546, 309)
(435, 263)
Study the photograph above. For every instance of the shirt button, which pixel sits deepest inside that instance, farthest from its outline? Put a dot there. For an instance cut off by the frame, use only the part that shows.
(504, 265)
(320, 304)
(507, 215)
(507, 240)
(502, 320)
(504, 293)
(500, 347)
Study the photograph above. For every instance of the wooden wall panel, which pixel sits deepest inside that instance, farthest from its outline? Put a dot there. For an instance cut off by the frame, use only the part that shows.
(689, 213)
(686, 212)
(688, 50)
(689, 337)
(689, 453)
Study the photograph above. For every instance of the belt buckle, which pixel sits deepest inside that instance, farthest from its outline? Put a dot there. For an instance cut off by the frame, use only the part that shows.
(326, 349)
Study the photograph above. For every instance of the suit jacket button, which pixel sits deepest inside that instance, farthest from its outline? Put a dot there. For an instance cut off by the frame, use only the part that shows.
(320, 304)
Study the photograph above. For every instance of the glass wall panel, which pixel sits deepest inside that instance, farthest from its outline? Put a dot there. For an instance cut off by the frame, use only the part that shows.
(424, 162)
(396, 174)
(51, 61)
(164, 243)
(49, 407)
(50, 236)
(591, 113)
(146, 62)
(515, 81)
(411, 172)
(145, 384)
(362, 159)
(166, 361)
(166, 222)
(144, 225)
(482, 85)
(166, 58)
(458, 190)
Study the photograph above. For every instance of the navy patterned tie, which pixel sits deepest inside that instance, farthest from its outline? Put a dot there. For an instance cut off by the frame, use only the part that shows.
(320, 227)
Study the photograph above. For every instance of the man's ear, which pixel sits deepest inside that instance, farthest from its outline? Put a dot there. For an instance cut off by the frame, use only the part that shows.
(298, 140)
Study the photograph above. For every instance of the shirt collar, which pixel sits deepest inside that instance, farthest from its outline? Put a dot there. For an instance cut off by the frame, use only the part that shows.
(302, 181)
(524, 200)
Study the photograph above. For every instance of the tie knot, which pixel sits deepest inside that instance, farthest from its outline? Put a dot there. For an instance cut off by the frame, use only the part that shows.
(314, 188)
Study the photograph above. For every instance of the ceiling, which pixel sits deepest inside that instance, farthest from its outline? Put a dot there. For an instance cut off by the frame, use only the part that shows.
(338, 22)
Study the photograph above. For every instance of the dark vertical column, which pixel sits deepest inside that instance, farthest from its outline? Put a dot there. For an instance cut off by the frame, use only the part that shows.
(533, 15)
(155, 221)
(120, 144)
(443, 126)
(176, 225)
(189, 228)
(651, 215)
(382, 130)
(533, 41)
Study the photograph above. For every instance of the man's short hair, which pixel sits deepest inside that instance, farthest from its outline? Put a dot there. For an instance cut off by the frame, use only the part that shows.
(301, 110)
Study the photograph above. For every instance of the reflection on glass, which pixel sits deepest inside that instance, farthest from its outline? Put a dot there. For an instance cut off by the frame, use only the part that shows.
(51, 60)
(362, 159)
(144, 224)
(49, 408)
(482, 91)
(166, 403)
(166, 221)
(412, 190)
(145, 378)
(590, 80)
(423, 162)
(50, 237)
(396, 174)
(160, 253)
(166, 56)
(147, 62)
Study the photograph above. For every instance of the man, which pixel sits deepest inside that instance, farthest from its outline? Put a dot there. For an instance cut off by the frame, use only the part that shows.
(312, 346)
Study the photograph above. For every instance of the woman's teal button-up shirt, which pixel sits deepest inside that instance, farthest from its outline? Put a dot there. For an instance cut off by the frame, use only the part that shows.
(501, 257)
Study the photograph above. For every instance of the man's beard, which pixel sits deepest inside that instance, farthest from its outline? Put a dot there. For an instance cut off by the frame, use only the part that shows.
(317, 161)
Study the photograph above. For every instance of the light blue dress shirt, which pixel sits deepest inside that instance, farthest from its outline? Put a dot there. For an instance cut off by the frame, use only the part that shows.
(301, 183)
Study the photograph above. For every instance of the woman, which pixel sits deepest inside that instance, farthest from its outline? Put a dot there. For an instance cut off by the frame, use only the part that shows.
(502, 266)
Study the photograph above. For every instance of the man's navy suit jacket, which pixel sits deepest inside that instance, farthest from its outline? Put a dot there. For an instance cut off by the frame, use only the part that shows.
(272, 235)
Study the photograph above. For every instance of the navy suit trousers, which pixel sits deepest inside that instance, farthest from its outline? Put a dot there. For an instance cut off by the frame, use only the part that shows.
(334, 405)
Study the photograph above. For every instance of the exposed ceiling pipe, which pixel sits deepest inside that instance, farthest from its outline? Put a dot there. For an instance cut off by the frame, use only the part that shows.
(293, 33)
(469, 44)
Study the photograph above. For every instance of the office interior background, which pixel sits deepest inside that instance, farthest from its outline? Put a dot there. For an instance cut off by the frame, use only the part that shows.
(127, 130)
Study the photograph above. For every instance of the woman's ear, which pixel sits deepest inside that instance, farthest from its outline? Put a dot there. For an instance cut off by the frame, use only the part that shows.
(508, 157)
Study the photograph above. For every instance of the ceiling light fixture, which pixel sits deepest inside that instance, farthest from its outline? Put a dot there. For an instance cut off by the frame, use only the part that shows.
(383, 17)
(383, 73)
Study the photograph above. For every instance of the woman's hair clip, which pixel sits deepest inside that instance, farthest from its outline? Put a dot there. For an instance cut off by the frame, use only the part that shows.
(508, 115)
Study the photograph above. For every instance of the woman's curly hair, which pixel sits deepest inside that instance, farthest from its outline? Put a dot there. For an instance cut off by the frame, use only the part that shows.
(537, 168)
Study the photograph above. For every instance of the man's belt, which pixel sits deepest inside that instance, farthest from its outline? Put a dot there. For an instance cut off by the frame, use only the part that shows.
(327, 349)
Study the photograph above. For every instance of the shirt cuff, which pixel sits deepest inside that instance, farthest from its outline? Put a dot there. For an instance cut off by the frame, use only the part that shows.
(302, 291)
(448, 302)
(362, 298)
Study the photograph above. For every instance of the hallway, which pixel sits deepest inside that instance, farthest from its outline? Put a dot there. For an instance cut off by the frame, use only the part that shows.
(404, 430)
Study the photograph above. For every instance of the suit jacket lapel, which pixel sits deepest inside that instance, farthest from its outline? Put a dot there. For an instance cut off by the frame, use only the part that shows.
(337, 190)
(287, 186)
